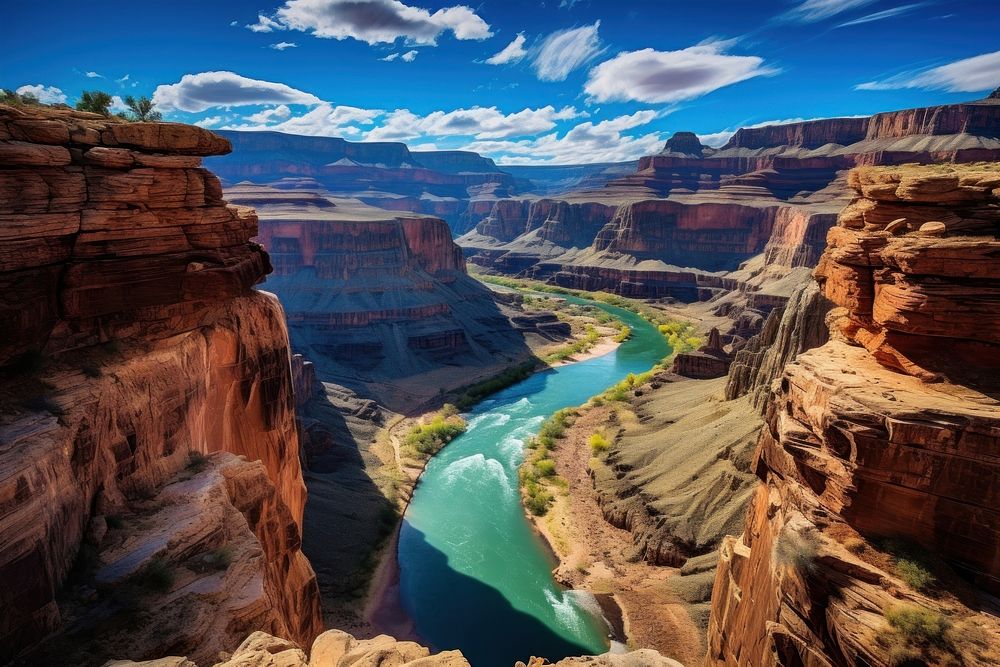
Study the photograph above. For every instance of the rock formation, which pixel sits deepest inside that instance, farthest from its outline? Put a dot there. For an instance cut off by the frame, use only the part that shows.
(439, 183)
(133, 346)
(339, 649)
(875, 520)
(697, 224)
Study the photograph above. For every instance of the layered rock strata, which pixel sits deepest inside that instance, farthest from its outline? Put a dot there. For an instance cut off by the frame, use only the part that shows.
(134, 344)
(373, 297)
(876, 459)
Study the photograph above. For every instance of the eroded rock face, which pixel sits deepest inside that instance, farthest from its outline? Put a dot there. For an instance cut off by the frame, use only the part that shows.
(133, 340)
(867, 439)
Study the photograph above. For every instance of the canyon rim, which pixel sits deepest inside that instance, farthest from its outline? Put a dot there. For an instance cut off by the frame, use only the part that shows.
(404, 332)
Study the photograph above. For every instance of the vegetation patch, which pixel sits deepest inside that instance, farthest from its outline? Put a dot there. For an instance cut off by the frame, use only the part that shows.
(538, 472)
(598, 443)
(911, 563)
(428, 438)
(797, 550)
(473, 393)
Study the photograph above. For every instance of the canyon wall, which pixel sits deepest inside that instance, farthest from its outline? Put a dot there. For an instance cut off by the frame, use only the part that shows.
(134, 347)
(374, 297)
(384, 174)
(876, 462)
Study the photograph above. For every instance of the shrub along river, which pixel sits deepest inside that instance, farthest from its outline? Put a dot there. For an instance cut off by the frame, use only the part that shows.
(474, 575)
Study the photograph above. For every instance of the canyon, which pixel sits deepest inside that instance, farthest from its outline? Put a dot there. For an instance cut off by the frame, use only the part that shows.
(149, 449)
(195, 467)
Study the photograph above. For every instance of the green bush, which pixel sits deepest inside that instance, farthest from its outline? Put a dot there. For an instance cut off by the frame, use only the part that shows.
(546, 468)
(158, 575)
(431, 437)
(599, 444)
(918, 625)
(911, 563)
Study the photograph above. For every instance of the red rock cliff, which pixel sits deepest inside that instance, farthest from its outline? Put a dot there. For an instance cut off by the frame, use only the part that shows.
(873, 536)
(134, 344)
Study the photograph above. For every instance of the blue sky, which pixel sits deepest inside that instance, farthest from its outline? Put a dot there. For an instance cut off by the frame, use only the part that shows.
(560, 81)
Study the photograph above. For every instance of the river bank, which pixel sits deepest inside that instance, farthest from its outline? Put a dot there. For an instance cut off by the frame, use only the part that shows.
(596, 557)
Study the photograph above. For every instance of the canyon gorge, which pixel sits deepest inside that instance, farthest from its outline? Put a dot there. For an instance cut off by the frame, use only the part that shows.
(209, 375)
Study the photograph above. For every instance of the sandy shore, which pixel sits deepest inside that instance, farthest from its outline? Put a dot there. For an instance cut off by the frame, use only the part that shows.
(594, 555)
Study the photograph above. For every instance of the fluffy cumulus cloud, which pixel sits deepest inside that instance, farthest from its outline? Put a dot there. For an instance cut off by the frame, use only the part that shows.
(968, 75)
(812, 11)
(325, 120)
(671, 76)
(45, 94)
(209, 121)
(207, 90)
(565, 50)
(586, 142)
(511, 53)
(93, 75)
(374, 21)
(477, 122)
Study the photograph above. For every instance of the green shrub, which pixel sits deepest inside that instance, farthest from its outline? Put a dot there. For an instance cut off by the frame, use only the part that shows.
(545, 468)
(429, 438)
(158, 575)
(95, 101)
(918, 625)
(911, 563)
(598, 443)
(538, 500)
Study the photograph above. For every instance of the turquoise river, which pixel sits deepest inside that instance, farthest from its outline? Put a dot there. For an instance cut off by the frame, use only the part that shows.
(473, 573)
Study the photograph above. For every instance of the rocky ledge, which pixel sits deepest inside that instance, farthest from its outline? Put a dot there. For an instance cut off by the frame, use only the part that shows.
(133, 345)
(872, 536)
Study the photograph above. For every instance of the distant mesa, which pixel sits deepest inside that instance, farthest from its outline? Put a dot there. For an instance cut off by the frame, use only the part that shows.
(684, 144)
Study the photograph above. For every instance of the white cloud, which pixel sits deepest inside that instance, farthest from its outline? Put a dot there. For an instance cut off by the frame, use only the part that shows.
(478, 122)
(325, 120)
(207, 90)
(123, 79)
(233, 24)
(374, 21)
(208, 121)
(812, 11)
(586, 142)
(93, 75)
(45, 94)
(281, 46)
(882, 15)
(968, 75)
(118, 104)
(409, 56)
(671, 76)
(265, 24)
(389, 58)
(564, 50)
(511, 53)
(274, 115)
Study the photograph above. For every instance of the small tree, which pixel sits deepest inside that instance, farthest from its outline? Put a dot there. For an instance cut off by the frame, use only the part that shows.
(95, 101)
(142, 109)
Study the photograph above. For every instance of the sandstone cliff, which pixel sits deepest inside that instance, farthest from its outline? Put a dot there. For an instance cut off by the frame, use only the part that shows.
(872, 536)
(133, 346)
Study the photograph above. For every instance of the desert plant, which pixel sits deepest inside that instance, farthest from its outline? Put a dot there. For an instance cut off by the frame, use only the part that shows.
(158, 575)
(545, 468)
(918, 625)
(797, 549)
(911, 563)
(142, 109)
(95, 101)
(598, 443)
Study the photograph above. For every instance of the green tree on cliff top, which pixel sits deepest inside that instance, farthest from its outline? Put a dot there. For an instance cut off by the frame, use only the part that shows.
(95, 101)
(142, 109)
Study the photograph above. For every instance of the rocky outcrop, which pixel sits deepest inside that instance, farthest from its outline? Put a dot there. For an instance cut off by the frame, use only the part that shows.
(915, 261)
(709, 361)
(339, 649)
(876, 502)
(374, 297)
(135, 345)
